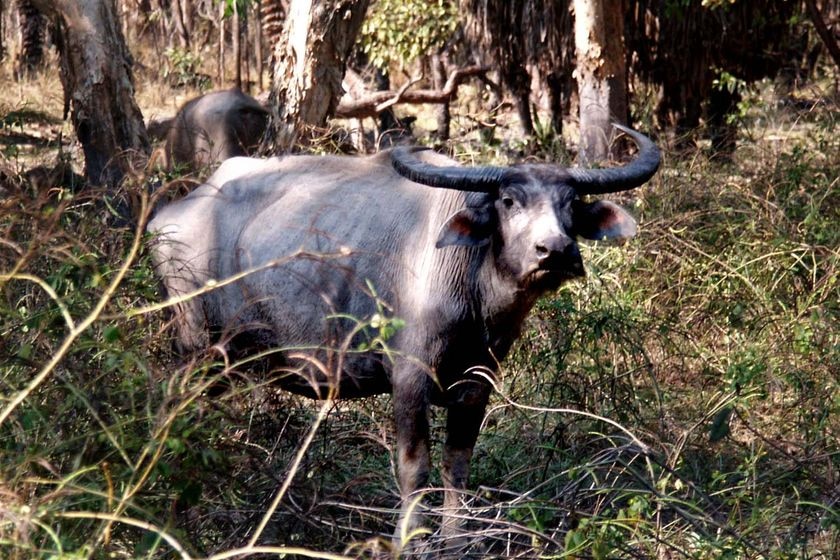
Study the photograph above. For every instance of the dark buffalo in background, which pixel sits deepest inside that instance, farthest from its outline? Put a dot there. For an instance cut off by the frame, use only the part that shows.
(212, 128)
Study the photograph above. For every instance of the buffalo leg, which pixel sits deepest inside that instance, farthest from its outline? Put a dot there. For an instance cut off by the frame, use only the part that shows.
(462, 425)
(411, 406)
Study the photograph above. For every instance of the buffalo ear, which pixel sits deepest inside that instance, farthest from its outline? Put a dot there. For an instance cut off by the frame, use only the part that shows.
(603, 220)
(470, 227)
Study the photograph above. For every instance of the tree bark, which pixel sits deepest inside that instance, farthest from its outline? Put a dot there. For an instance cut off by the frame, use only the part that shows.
(245, 36)
(220, 77)
(723, 134)
(98, 89)
(825, 35)
(273, 15)
(444, 117)
(600, 73)
(258, 39)
(309, 65)
(33, 29)
(555, 83)
(235, 34)
(179, 16)
(2, 31)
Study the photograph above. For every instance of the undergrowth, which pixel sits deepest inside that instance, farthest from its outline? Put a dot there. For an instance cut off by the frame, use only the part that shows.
(683, 402)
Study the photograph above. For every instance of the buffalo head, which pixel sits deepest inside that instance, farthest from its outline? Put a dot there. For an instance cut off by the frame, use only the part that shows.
(533, 213)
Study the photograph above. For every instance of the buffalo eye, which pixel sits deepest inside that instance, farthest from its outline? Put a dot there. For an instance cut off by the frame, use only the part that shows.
(507, 202)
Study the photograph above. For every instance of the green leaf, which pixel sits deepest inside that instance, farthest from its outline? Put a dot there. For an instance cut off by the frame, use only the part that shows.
(111, 333)
(25, 351)
(720, 424)
(190, 493)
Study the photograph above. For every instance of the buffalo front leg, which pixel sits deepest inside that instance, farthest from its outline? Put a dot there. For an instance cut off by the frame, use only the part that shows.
(462, 426)
(411, 408)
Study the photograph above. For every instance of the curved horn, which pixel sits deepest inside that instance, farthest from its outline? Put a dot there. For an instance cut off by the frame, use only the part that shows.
(474, 179)
(632, 175)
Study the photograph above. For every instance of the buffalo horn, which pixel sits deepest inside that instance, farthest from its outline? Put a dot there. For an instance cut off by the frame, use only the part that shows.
(474, 179)
(632, 175)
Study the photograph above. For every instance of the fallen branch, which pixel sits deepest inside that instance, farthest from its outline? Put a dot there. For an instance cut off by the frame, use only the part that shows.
(370, 104)
(399, 96)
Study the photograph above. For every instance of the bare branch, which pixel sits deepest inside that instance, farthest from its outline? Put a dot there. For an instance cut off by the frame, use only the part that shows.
(369, 105)
(398, 97)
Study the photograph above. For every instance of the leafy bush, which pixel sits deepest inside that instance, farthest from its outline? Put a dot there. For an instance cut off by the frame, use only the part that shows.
(400, 31)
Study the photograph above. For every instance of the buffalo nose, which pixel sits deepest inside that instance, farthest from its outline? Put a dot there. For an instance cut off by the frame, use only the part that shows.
(556, 253)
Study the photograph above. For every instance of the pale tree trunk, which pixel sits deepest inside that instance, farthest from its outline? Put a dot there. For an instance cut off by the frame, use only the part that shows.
(600, 73)
(98, 88)
(258, 39)
(180, 15)
(2, 31)
(235, 32)
(220, 74)
(245, 22)
(309, 66)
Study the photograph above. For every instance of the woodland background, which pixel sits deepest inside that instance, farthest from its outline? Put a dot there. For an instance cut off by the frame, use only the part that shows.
(712, 337)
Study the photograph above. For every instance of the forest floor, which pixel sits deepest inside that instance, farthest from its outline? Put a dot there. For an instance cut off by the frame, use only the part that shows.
(712, 340)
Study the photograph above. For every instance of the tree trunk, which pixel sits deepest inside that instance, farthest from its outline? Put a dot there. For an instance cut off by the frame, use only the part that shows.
(136, 17)
(309, 67)
(258, 39)
(2, 31)
(220, 74)
(515, 76)
(179, 17)
(601, 75)
(387, 118)
(273, 15)
(33, 28)
(444, 116)
(722, 132)
(245, 35)
(825, 35)
(235, 34)
(555, 83)
(165, 26)
(98, 88)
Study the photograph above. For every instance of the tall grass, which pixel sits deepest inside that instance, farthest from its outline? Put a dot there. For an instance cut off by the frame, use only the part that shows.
(682, 402)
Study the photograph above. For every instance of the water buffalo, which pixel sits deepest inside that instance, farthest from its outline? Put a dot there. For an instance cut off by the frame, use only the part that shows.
(330, 249)
(214, 127)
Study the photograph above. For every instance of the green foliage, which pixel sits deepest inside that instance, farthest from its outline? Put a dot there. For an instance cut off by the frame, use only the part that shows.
(399, 31)
(235, 6)
(727, 81)
(183, 68)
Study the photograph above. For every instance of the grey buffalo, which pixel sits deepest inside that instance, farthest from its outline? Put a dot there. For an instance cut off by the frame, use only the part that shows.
(214, 127)
(320, 252)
